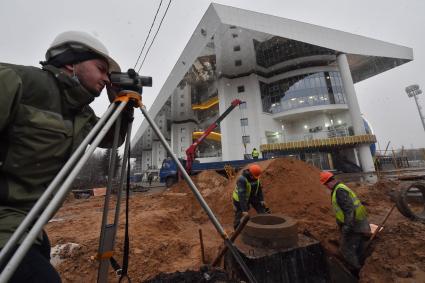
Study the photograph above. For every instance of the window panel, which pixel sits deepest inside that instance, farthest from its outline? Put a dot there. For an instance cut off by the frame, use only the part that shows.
(246, 139)
(244, 122)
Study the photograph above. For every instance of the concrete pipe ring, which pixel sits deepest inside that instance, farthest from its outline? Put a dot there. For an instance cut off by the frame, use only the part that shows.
(411, 201)
(271, 231)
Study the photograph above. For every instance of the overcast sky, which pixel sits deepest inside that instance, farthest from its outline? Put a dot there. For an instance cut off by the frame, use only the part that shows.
(28, 27)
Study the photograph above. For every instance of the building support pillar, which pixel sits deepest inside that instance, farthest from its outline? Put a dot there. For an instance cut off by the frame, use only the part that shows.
(366, 160)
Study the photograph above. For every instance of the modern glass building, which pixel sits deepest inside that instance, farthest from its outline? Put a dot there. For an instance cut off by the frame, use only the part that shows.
(296, 81)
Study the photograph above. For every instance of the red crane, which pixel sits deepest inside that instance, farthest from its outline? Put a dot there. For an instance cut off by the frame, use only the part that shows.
(190, 152)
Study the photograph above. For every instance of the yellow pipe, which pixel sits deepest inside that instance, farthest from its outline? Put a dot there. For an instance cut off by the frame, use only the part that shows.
(207, 104)
(212, 136)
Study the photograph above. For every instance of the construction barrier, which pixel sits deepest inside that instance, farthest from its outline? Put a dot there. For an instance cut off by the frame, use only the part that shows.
(319, 144)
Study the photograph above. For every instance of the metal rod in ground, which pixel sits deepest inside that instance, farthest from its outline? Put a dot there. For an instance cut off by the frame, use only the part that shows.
(46, 196)
(201, 240)
(199, 197)
(233, 237)
(56, 201)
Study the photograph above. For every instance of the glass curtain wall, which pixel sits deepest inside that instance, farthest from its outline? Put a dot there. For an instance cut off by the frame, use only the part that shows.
(302, 91)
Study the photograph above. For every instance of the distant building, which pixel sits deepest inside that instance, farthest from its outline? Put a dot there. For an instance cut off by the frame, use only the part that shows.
(297, 83)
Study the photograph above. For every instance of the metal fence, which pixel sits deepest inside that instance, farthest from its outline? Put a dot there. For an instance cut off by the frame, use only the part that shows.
(399, 159)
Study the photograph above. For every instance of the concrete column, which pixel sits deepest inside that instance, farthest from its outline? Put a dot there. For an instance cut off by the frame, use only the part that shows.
(356, 156)
(366, 160)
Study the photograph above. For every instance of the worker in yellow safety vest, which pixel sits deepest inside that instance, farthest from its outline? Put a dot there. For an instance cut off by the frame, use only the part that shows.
(255, 153)
(248, 192)
(351, 217)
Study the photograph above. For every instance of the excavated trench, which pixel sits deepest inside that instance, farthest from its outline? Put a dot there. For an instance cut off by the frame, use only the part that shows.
(275, 252)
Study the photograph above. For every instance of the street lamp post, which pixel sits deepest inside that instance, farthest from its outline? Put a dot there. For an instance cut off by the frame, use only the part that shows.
(414, 90)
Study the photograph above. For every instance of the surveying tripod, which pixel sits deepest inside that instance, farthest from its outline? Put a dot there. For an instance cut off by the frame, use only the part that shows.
(53, 197)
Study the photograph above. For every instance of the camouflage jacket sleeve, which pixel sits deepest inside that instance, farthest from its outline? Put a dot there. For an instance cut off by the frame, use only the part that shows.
(10, 86)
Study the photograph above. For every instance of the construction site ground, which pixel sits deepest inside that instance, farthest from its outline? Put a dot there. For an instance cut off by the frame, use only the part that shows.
(164, 225)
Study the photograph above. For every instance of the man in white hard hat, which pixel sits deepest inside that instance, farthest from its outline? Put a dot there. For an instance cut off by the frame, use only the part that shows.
(44, 116)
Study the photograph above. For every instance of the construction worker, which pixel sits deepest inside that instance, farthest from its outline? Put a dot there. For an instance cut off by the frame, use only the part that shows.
(351, 217)
(248, 192)
(150, 178)
(255, 153)
(44, 116)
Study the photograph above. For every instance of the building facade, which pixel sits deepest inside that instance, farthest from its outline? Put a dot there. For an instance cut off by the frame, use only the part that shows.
(296, 82)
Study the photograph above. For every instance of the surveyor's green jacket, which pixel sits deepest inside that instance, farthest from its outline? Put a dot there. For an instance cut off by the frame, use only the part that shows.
(44, 116)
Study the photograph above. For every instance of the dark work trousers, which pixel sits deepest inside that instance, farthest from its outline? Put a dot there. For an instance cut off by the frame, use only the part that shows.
(35, 267)
(238, 211)
(352, 247)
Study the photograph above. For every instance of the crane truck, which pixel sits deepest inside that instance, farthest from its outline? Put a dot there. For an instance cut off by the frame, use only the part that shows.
(169, 174)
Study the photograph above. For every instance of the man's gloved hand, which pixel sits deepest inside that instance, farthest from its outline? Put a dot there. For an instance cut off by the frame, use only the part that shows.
(266, 209)
(346, 229)
(112, 94)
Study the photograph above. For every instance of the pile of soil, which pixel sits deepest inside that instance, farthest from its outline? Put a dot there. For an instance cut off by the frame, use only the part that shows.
(164, 227)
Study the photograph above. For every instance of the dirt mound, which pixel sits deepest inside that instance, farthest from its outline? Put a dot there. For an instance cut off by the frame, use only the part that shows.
(290, 187)
(204, 181)
(210, 184)
(398, 255)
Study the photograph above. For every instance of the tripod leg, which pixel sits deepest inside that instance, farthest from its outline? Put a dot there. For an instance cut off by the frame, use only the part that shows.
(108, 231)
(200, 199)
(107, 234)
(56, 201)
(123, 169)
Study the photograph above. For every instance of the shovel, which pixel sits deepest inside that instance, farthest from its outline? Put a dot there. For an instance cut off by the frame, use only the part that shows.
(378, 228)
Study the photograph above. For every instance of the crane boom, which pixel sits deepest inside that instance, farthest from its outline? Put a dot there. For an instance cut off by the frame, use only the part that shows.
(190, 151)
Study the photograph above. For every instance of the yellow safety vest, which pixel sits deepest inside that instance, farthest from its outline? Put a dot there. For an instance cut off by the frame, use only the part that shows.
(248, 190)
(359, 209)
(255, 153)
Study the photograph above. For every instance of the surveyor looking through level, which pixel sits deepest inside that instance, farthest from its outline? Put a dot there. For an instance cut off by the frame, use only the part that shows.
(351, 217)
(248, 192)
(44, 116)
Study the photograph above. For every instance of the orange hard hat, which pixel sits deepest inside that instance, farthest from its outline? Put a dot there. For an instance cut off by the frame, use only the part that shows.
(255, 170)
(325, 177)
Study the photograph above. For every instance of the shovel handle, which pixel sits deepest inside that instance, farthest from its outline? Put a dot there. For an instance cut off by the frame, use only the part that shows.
(380, 226)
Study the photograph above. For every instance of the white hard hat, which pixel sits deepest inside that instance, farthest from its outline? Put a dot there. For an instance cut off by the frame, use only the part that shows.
(80, 41)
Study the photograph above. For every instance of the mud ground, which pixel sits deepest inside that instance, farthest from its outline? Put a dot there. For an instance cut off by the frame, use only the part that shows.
(164, 226)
